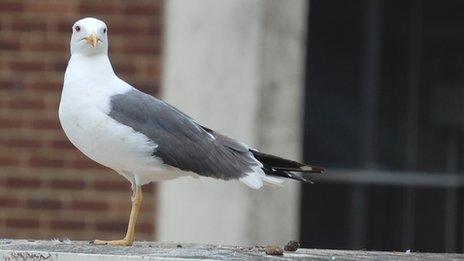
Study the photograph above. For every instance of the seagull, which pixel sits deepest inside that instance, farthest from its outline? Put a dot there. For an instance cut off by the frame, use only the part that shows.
(139, 136)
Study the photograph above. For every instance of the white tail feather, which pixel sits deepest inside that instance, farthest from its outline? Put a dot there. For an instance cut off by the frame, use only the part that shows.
(255, 180)
(273, 180)
(252, 180)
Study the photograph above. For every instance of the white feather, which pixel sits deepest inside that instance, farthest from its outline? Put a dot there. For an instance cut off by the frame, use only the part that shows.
(273, 180)
(255, 179)
(252, 180)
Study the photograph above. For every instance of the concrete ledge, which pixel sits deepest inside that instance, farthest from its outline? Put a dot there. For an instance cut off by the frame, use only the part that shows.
(78, 250)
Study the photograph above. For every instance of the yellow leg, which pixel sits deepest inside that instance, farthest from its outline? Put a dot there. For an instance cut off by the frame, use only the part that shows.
(130, 234)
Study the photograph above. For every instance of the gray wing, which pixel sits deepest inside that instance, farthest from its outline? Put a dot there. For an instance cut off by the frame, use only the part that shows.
(182, 143)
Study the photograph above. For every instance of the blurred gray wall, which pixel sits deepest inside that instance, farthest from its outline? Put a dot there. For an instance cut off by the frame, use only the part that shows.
(237, 67)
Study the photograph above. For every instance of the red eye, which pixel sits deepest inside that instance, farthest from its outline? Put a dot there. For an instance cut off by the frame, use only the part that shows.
(77, 28)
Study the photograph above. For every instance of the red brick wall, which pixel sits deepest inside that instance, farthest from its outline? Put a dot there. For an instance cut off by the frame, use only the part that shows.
(47, 188)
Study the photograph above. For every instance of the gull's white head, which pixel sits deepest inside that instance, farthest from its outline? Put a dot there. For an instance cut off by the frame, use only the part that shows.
(89, 37)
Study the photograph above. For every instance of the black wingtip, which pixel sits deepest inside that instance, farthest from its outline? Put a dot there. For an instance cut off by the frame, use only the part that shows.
(306, 180)
(292, 175)
(304, 169)
(315, 169)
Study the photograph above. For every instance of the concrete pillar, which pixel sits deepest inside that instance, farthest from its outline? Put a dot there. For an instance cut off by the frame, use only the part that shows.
(237, 67)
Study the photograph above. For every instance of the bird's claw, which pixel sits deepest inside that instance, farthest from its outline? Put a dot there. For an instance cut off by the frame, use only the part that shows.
(121, 242)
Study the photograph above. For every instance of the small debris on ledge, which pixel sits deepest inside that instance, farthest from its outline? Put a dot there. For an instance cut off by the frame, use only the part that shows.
(274, 250)
(292, 246)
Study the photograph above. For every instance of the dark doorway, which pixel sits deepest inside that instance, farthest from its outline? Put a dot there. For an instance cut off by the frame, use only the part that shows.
(385, 113)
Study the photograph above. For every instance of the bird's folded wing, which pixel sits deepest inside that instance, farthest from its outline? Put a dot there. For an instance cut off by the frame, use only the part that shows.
(182, 143)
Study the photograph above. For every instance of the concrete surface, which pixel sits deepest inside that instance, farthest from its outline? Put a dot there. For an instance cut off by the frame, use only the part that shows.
(237, 67)
(78, 250)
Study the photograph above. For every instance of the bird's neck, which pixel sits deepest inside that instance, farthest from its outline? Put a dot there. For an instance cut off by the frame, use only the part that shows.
(90, 67)
(91, 75)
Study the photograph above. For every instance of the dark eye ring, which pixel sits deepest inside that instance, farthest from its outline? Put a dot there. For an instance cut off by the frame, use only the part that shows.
(104, 31)
(78, 28)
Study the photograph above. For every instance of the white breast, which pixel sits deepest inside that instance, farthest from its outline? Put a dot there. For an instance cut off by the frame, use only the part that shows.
(83, 113)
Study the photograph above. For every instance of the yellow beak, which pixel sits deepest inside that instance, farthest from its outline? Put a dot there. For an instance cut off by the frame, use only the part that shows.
(92, 40)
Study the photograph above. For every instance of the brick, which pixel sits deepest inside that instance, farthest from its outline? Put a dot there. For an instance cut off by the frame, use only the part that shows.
(154, 29)
(153, 69)
(8, 202)
(24, 143)
(98, 9)
(60, 66)
(11, 6)
(55, 7)
(106, 185)
(123, 29)
(27, 104)
(22, 223)
(111, 226)
(147, 207)
(149, 188)
(11, 84)
(124, 205)
(29, 25)
(50, 46)
(86, 164)
(46, 124)
(9, 161)
(46, 162)
(151, 89)
(44, 204)
(64, 25)
(124, 68)
(9, 44)
(89, 205)
(47, 86)
(67, 184)
(140, 49)
(23, 182)
(62, 144)
(6, 84)
(136, 8)
(10, 123)
(52, 105)
(66, 225)
(31, 86)
(134, 31)
(27, 66)
(145, 227)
